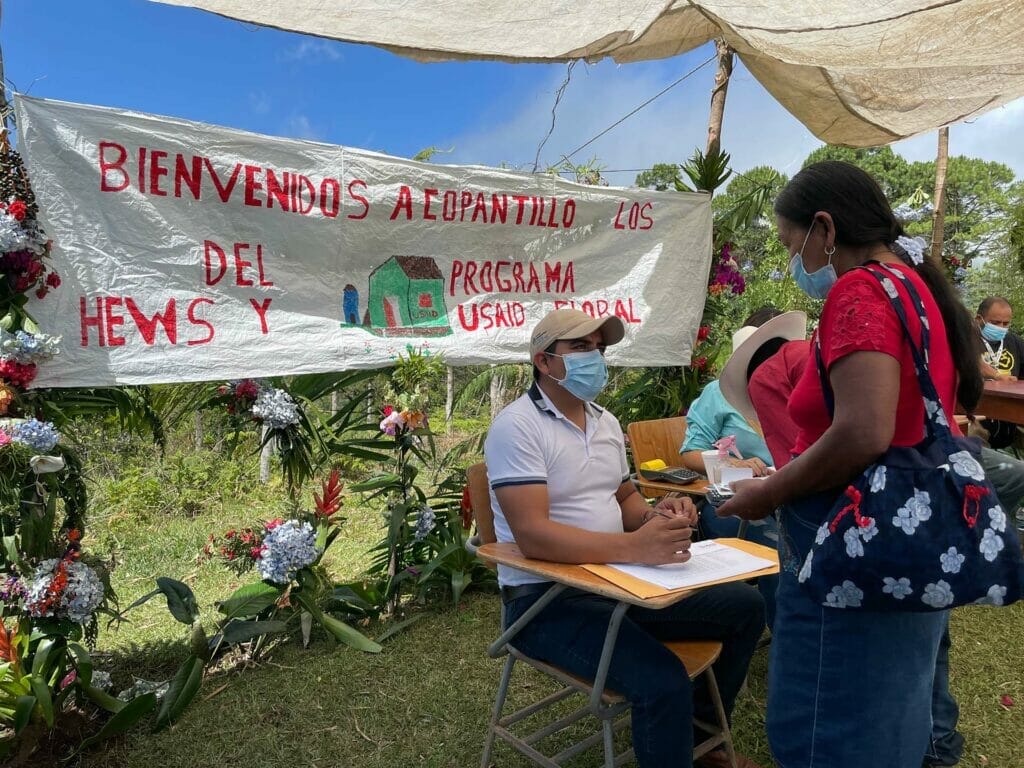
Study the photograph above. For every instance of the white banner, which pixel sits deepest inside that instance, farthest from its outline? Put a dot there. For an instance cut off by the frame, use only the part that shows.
(190, 252)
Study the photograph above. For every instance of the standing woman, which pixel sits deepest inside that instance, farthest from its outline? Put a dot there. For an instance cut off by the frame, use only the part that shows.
(852, 688)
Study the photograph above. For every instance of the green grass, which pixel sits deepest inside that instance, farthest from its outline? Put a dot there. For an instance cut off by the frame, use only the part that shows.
(426, 699)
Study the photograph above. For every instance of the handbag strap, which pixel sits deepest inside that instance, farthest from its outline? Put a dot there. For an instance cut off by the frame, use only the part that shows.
(936, 425)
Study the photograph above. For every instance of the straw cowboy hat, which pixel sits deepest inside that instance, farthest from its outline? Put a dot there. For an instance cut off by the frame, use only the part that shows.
(790, 326)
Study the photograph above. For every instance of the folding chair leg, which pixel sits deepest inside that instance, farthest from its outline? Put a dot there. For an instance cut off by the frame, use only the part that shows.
(609, 745)
(716, 699)
(499, 704)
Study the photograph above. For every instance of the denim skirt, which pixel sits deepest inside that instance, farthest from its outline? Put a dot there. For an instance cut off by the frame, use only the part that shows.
(846, 688)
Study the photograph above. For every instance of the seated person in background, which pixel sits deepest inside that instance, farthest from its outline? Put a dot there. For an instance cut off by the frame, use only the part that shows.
(711, 418)
(561, 490)
(766, 397)
(1001, 355)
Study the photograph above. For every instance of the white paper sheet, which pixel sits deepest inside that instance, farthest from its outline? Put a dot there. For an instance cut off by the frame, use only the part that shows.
(709, 561)
(732, 474)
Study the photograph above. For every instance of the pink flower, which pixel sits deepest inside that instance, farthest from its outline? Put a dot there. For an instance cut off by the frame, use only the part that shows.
(392, 423)
(4, 438)
(69, 678)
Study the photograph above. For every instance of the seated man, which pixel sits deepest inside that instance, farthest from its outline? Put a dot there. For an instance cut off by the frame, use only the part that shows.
(711, 417)
(766, 399)
(560, 489)
(1002, 351)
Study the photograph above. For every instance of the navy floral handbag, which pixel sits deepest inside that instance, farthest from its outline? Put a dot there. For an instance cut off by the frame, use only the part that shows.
(921, 529)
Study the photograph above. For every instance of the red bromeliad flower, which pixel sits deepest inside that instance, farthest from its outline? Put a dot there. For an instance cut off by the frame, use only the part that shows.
(702, 333)
(273, 524)
(388, 410)
(700, 363)
(55, 589)
(330, 502)
(8, 645)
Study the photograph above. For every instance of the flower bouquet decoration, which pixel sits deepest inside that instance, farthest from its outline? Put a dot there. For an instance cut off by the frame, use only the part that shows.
(287, 553)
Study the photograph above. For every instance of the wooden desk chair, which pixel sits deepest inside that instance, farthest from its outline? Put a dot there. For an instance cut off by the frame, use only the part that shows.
(610, 708)
(656, 439)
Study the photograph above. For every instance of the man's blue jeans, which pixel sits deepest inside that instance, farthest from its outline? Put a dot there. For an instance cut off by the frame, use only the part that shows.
(570, 633)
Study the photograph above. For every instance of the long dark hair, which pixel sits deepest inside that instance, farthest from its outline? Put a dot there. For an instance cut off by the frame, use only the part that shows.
(863, 216)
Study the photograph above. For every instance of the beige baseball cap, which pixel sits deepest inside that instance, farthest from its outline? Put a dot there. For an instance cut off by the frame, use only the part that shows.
(574, 324)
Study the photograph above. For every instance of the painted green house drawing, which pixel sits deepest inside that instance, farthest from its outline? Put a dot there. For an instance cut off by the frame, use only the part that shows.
(406, 298)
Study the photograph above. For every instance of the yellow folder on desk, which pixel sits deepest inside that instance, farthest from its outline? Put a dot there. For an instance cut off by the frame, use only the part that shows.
(646, 589)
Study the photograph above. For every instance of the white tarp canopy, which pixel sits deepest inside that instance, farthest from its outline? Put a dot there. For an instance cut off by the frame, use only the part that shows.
(191, 252)
(855, 72)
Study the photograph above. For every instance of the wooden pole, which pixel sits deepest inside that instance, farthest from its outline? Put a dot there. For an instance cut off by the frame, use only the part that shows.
(939, 219)
(718, 93)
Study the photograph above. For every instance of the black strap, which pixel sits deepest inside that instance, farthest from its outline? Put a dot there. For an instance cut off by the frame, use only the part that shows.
(934, 426)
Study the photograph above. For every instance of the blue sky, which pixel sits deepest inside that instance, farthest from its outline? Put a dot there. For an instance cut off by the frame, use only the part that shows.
(182, 62)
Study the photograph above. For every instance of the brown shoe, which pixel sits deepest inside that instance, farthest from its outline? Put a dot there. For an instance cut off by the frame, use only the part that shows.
(719, 758)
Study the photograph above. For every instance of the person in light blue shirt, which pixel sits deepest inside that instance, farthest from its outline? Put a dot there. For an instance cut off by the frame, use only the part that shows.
(711, 417)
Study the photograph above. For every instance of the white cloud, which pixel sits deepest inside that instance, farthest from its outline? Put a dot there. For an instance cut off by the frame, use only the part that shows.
(757, 129)
(312, 48)
(301, 127)
(259, 102)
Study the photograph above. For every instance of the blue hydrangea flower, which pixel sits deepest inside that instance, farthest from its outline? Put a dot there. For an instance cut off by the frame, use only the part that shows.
(276, 409)
(82, 594)
(425, 520)
(287, 548)
(12, 235)
(776, 274)
(25, 348)
(39, 435)
(960, 273)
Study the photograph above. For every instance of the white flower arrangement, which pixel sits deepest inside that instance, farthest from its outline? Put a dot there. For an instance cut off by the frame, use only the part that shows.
(77, 601)
(913, 247)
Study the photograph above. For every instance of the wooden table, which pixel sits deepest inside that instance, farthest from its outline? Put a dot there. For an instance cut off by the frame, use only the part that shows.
(1003, 400)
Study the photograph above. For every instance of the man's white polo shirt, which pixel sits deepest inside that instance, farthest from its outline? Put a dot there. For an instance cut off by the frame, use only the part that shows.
(531, 442)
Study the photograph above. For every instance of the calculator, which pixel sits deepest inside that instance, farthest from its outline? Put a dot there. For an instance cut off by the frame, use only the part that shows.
(679, 475)
(717, 495)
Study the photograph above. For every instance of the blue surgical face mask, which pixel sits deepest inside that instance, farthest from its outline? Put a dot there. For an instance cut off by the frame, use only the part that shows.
(815, 284)
(585, 373)
(994, 332)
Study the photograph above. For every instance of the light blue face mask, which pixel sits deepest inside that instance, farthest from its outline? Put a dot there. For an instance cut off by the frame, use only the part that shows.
(994, 332)
(815, 284)
(585, 373)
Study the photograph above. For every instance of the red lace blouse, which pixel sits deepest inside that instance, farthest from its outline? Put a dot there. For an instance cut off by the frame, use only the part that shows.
(857, 316)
